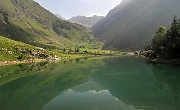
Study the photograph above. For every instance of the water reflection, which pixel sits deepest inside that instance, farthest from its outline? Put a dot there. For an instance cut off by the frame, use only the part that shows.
(31, 90)
(13, 72)
(89, 96)
(135, 83)
(131, 84)
(168, 76)
(124, 83)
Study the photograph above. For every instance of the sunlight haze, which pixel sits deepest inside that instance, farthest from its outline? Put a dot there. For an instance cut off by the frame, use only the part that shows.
(70, 8)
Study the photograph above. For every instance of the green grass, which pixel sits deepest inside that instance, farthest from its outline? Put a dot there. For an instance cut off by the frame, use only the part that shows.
(12, 50)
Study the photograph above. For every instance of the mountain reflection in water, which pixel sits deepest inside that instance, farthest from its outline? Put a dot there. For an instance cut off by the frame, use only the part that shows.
(121, 83)
(81, 99)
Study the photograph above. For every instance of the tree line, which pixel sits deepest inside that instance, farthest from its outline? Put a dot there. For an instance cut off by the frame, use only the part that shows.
(166, 43)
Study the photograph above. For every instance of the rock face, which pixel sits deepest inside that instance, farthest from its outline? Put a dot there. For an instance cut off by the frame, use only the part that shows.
(133, 23)
(86, 21)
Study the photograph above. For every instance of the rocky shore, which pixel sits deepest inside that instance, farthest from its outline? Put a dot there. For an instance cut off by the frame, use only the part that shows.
(145, 54)
(164, 61)
(5, 63)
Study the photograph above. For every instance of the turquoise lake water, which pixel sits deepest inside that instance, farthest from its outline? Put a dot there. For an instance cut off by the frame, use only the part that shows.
(117, 83)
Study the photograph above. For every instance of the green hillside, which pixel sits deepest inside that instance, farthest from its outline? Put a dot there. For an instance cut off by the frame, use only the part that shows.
(13, 50)
(28, 22)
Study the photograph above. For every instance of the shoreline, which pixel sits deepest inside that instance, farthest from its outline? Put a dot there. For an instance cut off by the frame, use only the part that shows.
(171, 61)
(7, 63)
(164, 61)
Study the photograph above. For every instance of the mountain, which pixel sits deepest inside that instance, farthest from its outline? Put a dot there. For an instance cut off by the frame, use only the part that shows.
(59, 16)
(133, 23)
(86, 21)
(28, 22)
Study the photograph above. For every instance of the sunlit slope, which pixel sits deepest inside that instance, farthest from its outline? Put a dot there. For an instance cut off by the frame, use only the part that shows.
(27, 21)
(11, 50)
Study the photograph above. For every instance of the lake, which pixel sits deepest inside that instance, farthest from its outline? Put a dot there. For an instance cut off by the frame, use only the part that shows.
(117, 83)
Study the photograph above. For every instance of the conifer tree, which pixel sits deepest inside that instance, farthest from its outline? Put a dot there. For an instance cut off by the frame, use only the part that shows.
(166, 44)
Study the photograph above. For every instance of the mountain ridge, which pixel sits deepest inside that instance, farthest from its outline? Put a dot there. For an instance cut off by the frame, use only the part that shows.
(133, 23)
(28, 22)
(86, 21)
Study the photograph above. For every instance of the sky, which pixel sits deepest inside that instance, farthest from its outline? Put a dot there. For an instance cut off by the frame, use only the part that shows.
(70, 8)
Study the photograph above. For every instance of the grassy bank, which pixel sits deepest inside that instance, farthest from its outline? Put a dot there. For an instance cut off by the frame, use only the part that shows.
(13, 52)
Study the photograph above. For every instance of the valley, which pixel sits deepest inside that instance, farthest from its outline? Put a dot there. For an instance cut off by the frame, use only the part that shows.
(128, 27)
(76, 55)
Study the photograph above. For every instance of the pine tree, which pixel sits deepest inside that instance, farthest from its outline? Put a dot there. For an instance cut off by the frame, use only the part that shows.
(174, 38)
(166, 44)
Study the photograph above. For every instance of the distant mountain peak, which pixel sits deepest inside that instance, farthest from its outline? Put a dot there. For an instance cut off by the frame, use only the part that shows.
(59, 16)
(86, 21)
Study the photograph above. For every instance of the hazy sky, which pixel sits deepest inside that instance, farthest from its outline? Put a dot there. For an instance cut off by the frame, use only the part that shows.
(70, 8)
